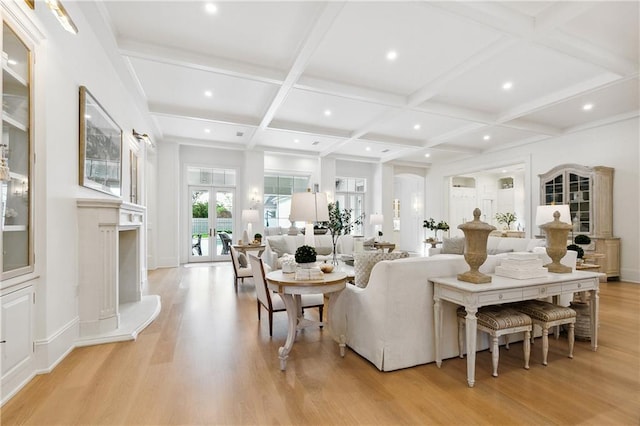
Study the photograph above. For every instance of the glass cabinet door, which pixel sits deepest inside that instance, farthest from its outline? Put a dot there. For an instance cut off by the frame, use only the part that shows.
(15, 156)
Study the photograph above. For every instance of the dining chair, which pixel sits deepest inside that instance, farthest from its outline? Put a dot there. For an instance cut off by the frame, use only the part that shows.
(241, 270)
(272, 301)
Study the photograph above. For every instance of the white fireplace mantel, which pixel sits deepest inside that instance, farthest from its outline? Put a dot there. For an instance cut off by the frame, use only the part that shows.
(111, 246)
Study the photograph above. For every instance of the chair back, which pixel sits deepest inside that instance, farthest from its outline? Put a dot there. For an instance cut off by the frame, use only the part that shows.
(262, 292)
(234, 260)
(226, 242)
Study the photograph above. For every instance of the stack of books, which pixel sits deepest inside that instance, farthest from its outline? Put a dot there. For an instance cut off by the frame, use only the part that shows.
(521, 266)
(314, 273)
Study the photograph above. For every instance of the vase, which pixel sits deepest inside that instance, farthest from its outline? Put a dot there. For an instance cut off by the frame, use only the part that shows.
(476, 234)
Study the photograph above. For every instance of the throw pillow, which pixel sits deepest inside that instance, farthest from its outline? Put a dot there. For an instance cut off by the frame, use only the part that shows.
(453, 245)
(278, 245)
(242, 260)
(364, 262)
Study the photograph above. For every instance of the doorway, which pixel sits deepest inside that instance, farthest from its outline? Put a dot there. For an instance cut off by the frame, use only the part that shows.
(211, 223)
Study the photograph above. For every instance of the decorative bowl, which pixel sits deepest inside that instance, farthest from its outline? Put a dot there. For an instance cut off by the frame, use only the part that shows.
(326, 268)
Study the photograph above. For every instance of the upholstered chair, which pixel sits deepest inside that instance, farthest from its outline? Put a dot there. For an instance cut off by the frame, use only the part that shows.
(272, 301)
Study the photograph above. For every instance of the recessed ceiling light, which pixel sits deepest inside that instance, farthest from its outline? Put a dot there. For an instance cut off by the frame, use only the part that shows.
(207, 130)
(392, 55)
(12, 62)
(504, 171)
(486, 137)
(416, 127)
(211, 8)
(208, 93)
(427, 155)
(327, 112)
(507, 85)
(368, 148)
(587, 107)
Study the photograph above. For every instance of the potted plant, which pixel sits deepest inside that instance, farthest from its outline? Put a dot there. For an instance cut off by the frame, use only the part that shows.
(577, 249)
(506, 219)
(582, 239)
(340, 223)
(257, 238)
(305, 255)
(434, 226)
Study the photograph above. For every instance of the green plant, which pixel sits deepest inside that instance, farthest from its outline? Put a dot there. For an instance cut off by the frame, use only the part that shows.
(340, 223)
(582, 239)
(506, 218)
(576, 248)
(305, 254)
(432, 225)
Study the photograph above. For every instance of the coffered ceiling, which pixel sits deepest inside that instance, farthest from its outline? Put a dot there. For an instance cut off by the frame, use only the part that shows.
(404, 81)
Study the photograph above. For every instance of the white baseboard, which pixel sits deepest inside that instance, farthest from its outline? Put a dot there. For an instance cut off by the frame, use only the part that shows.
(168, 262)
(52, 350)
(630, 275)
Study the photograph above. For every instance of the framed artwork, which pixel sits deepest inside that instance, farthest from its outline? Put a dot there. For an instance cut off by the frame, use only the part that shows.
(100, 147)
(133, 169)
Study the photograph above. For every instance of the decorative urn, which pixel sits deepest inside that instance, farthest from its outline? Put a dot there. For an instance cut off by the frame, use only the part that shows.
(476, 234)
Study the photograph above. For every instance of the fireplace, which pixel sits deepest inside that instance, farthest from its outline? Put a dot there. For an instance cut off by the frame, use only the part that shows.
(111, 249)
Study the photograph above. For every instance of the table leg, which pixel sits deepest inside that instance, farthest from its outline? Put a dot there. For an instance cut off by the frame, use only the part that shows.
(471, 326)
(290, 302)
(595, 309)
(437, 319)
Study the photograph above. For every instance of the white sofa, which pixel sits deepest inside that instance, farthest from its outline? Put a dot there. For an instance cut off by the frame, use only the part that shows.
(497, 245)
(390, 322)
(289, 243)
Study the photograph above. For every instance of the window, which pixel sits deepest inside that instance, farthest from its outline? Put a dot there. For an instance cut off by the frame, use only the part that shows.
(350, 194)
(277, 197)
(209, 176)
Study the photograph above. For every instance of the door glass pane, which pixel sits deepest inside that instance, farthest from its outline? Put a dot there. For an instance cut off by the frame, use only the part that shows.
(224, 222)
(199, 223)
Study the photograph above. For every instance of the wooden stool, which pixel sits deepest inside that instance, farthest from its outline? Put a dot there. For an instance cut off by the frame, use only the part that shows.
(545, 315)
(498, 320)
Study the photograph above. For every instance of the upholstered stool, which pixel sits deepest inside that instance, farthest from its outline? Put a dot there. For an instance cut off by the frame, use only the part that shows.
(545, 315)
(498, 320)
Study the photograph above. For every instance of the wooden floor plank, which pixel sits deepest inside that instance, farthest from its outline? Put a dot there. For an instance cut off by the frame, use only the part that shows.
(207, 360)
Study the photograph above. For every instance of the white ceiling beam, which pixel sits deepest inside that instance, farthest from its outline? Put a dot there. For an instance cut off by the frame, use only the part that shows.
(455, 111)
(434, 142)
(207, 63)
(604, 121)
(181, 140)
(530, 126)
(201, 115)
(310, 44)
(390, 140)
(348, 91)
(289, 126)
(559, 13)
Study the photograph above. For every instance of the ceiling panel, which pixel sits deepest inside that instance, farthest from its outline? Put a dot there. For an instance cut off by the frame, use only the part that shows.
(611, 101)
(296, 140)
(262, 33)
(305, 107)
(197, 129)
(371, 149)
(531, 8)
(498, 135)
(185, 88)
(612, 26)
(404, 125)
(355, 50)
(535, 71)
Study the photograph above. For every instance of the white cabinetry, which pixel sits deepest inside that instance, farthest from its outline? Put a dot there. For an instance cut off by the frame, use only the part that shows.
(16, 335)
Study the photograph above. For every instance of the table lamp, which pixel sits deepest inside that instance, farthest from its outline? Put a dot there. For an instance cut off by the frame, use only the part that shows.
(310, 207)
(555, 221)
(249, 216)
(376, 220)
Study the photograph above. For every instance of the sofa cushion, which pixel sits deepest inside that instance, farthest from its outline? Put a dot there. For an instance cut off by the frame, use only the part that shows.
(453, 245)
(499, 251)
(278, 245)
(365, 261)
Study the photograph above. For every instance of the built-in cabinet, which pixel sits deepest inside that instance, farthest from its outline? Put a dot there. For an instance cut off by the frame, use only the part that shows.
(589, 193)
(16, 211)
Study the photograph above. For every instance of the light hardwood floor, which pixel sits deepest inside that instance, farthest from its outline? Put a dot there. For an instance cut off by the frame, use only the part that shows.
(207, 360)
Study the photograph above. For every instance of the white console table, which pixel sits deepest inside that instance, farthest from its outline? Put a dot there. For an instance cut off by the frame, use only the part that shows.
(505, 290)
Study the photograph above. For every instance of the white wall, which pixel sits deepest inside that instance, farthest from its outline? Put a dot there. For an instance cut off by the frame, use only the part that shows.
(615, 145)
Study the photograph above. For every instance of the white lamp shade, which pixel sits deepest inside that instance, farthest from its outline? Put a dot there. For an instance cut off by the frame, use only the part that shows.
(250, 216)
(376, 219)
(544, 214)
(309, 207)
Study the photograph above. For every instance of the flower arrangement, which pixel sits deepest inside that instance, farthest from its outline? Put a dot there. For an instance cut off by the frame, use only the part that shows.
(340, 223)
(305, 254)
(432, 225)
(506, 218)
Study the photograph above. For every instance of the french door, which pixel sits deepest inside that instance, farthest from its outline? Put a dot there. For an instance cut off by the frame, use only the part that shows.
(211, 223)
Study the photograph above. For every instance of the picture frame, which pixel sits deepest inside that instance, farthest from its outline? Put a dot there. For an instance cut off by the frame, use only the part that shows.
(133, 182)
(100, 147)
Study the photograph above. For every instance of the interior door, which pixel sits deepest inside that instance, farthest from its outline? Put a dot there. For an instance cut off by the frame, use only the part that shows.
(223, 235)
